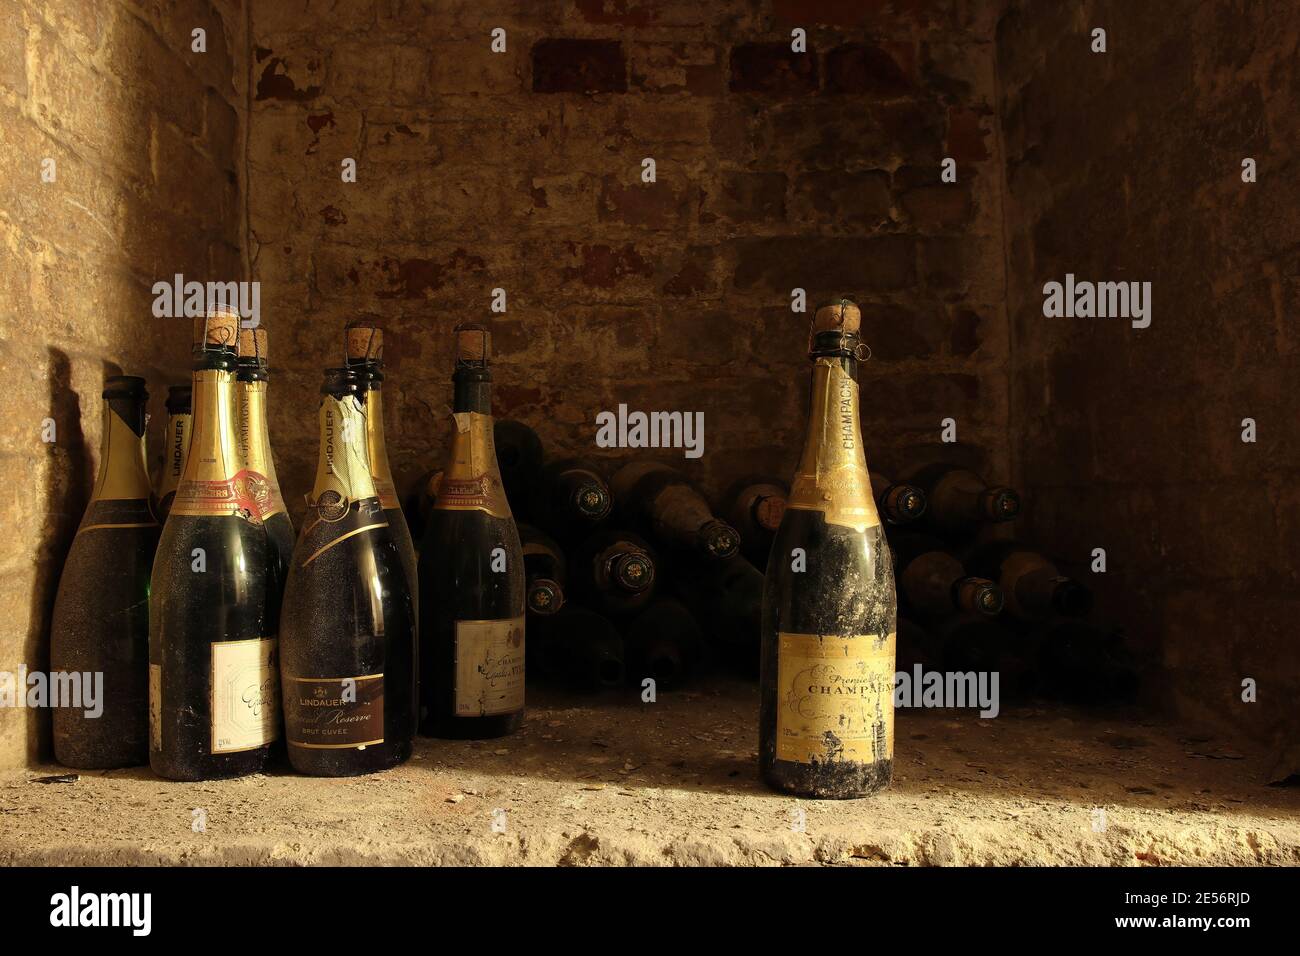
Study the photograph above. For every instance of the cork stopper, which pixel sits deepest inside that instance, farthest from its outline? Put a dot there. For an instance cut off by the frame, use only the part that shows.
(364, 341)
(473, 344)
(252, 347)
(218, 329)
(839, 316)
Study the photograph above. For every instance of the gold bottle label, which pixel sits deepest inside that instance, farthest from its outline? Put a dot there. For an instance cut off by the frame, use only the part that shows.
(489, 667)
(472, 480)
(121, 497)
(245, 695)
(334, 713)
(832, 475)
(255, 449)
(835, 698)
(342, 481)
(214, 484)
(179, 428)
(378, 451)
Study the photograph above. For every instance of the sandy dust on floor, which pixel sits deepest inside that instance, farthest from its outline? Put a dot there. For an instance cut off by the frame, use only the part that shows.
(612, 780)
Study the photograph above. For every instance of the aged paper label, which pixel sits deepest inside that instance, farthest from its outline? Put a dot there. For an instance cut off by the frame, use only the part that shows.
(245, 695)
(835, 698)
(489, 667)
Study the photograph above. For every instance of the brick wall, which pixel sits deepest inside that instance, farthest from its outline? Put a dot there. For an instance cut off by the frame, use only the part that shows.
(1127, 165)
(521, 170)
(144, 138)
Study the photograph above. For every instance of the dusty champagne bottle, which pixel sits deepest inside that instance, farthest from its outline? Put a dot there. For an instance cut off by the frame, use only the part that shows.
(347, 628)
(753, 506)
(664, 643)
(570, 499)
(614, 572)
(471, 573)
(251, 381)
(664, 504)
(933, 583)
(545, 571)
(581, 649)
(958, 501)
(214, 687)
(898, 504)
(1035, 589)
(826, 719)
(179, 419)
(101, 613)
(365, 353)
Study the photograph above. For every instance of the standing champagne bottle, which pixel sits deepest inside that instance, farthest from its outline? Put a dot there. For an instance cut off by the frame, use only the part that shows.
(826, 721)
(663, 503)
(259, 468)
(101, 613)
(214, 688)
(471, 573)
(754, 506)
(958, 501)
(365, 352)
(178, 443)
(899, 503)
(347, 631)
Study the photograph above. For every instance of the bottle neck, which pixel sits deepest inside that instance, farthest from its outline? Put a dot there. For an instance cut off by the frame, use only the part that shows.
(343, 467)
(214, 447)
(377, 447)
(832, 474)
(123, 473)
(473, 390)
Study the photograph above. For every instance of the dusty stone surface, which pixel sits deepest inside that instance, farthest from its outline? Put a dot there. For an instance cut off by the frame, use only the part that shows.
(608, 781)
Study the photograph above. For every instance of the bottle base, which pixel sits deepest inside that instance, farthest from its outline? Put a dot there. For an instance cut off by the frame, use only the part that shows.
(841, 780)
(472, 728)
(349, 762)
(210, 767)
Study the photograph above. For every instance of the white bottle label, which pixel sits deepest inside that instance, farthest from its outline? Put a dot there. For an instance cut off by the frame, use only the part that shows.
(245, 695)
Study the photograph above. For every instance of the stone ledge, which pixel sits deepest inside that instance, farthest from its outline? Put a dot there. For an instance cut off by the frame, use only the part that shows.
(675, 783)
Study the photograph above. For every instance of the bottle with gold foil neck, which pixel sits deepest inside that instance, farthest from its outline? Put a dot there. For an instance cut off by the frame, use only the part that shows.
(214, 687)
(177, 443)
(347, 630)
(99, 633)
(827, 664)
(471, 573)
(251, 381)
(364, 345)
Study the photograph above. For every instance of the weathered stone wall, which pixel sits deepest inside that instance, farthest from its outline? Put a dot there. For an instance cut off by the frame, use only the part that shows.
(522, 170)
(1127, 165)
(144, 137)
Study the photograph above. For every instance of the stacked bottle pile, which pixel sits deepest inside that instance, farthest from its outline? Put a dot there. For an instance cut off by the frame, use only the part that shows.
(636, 576)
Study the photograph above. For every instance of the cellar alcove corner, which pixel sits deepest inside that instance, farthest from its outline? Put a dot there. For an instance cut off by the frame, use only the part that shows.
(628, 195)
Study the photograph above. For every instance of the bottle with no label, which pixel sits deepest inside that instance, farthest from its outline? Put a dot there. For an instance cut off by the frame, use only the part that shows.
(898, 504)
(214, 686)
(934, 584)
(958, 501)
(519, 455)
(754, 506)
(179, 419)
(101, 613)
(614, 572)
(545, 571)
(570, 498)
(347, 630)
(666, 505)
(826, 720)
(1035, 589)
(471, 573)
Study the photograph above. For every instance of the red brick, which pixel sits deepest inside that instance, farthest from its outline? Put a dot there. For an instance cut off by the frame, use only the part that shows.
(966, 134)
(825, 267)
